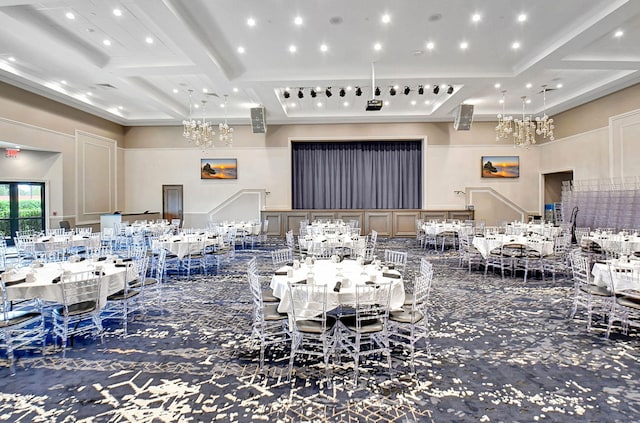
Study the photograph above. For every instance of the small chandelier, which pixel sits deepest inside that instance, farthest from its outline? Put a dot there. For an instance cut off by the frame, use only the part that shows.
(199, 132)
(545, 123)
(524, 133)
(505, 123)
(226, 132)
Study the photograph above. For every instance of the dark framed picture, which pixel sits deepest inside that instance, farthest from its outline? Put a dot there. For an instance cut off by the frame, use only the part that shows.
(218, 169)
(500, 167)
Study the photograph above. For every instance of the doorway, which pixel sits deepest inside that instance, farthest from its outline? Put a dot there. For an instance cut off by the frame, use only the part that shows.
(172, 202)
(553, 194)
(21, 208)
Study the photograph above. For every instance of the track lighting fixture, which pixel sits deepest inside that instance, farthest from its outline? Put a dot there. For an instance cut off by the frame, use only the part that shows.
(392, 91)
(358, 91)
(436, 89)
(327, 92)
(287, 94)
(313, 93)
(450, 89)
(300, 93)
(342, 92)
(377, 91)
(420, 89)
(407, 90)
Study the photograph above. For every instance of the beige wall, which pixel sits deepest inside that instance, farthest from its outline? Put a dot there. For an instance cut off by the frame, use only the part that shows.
(142, 159)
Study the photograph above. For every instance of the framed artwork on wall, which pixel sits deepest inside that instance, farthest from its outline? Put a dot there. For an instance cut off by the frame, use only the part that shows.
(500, 167)
(218, 169)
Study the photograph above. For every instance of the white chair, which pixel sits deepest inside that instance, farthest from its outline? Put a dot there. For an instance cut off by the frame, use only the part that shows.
(411, 325)
(252, 271)
(79, 313)
(290, 240)
(269, 327)
(366, 332)
(21, 325)
(3, 254)
(469, 255)
(312, 333)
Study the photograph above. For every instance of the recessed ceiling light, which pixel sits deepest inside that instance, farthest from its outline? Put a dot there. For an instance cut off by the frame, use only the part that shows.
(149, 40)
(528, 101)
(251, 22)
(292, 105)
(318, 88)
(501, 101)
(619, 33)
(175, 91)
(117, 12)
(196, 106)
(63, 82)
(298, 20)
(120, 108)
(319, 104)
(70, 15)
(427, 102)
(89, 93)
(349, 87)
(522, 17)
(222, 105)
(205, 90)
(235, 89)
(464, 45)
(476, 17)
(559, 86)
(292, 49)
(386, 103)
(529, 85)
(386, 18)
(241, 50)
(345, 104)
(12, 59)
(106, 42)
(496, 85)
(377, 46)
(324, 48)
(515, 45)
(430, 45)
(413, 102)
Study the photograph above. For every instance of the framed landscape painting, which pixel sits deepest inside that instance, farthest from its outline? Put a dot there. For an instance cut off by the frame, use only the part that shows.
(500, 166)
(218, 169)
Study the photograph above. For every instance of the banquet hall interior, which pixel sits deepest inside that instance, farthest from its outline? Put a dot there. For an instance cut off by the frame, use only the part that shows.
(319, 210)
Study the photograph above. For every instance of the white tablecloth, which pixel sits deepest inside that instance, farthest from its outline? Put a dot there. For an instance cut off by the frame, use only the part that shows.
(485, 244)
(47, 242)
(326, 272)
(317, 243)
(613, 242)
(438, 228)
(183, 245)
(602, 275)
(42, 286)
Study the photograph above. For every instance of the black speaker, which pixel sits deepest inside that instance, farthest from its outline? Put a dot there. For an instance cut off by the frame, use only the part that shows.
(258, 124)
(464, 117)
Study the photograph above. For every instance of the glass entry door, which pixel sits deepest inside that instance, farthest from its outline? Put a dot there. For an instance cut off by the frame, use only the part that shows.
(21, 208)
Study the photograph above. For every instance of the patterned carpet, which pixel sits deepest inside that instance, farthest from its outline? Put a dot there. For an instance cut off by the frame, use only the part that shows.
(500, 351)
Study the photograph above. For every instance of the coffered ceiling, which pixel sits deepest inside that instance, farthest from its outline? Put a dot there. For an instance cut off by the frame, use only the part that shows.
(134, 61)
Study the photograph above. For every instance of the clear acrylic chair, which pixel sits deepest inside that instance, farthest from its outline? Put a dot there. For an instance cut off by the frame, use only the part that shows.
(125, 303)
(366, 332)
(269, 327)
(594, 298)
(396, 260)
(625, 304)
(312, 331)
(21, 324)
(411, 325)
(282, 256)
(79, 313)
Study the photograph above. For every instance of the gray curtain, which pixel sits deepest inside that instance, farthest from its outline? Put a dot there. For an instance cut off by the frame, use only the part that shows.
(357, 175)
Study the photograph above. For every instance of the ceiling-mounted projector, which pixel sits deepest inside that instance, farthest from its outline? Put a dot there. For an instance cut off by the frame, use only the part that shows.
(374, 104)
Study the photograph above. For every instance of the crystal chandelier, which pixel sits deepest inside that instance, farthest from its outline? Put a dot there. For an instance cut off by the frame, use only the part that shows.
(199, 132)
(545, 123)
(226, 132)
(524, 133)
(505, 123)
